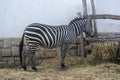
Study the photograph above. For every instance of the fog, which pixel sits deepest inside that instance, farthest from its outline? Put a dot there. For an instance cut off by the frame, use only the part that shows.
(15, 15)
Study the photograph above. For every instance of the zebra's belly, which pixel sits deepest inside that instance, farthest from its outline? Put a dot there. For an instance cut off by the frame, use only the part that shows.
(51, 46)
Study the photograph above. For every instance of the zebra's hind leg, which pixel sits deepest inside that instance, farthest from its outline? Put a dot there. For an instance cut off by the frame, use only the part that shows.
(63, 55)
(32, 61)
(24, 60)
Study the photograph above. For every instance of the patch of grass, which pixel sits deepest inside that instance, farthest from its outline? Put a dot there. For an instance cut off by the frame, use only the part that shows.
(78, 69)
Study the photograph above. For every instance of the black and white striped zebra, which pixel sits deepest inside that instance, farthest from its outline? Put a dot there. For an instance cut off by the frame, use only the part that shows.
(47, 36)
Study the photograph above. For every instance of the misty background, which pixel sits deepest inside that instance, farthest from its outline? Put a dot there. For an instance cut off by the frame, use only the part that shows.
(15, 15)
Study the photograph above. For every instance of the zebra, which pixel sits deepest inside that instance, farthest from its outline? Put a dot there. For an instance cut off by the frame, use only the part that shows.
(41, 35)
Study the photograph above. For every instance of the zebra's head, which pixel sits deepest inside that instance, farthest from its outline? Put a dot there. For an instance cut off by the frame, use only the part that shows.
(88, 29)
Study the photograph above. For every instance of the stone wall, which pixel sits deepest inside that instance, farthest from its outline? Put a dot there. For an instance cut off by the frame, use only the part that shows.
(9, 53)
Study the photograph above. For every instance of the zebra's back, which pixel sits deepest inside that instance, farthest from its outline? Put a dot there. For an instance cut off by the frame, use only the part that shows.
(45, 35)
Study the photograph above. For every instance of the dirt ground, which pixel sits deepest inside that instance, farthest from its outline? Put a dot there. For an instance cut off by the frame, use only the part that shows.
(78, 69)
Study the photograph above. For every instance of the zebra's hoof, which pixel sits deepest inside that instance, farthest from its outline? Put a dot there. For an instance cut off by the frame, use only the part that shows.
(63, 67)
(24, 68)
(34, 69)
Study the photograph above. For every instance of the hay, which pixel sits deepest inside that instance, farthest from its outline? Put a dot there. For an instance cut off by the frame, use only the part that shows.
(104, 51)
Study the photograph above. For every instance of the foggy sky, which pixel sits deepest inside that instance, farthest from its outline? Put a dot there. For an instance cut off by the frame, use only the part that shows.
(15, 15)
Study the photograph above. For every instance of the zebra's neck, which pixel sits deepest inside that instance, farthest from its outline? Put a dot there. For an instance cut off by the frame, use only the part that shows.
(78, 27)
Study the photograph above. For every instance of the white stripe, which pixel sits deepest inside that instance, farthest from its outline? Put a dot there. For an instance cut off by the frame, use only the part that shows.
(38, 34)
(54, 34)
(34, 37)
(47, 36)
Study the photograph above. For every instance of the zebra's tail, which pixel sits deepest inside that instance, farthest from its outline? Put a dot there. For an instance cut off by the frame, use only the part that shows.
(21, 48)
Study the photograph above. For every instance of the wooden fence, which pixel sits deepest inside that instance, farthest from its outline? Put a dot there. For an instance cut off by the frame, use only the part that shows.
(95, 16)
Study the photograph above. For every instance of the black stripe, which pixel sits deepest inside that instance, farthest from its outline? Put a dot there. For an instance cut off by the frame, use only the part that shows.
(42, 26)
(48, 27)
(39, 32)
(48, 34)
(74, 27)
(78, 27)
(60, 34)
(31, 39)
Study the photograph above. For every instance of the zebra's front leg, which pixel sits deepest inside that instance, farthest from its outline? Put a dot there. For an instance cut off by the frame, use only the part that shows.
(32, 62)
(63, 55)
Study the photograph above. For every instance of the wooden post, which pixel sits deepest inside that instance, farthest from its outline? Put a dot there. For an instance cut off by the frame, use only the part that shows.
(84, 7)
(78, 45)
(85, 14)
(94, 21)
(82, 45)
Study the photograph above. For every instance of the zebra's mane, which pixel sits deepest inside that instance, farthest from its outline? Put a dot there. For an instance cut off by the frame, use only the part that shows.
(76, 19)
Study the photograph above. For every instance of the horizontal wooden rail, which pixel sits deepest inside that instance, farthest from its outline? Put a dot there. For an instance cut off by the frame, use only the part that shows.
(102, 39)
(105, 16)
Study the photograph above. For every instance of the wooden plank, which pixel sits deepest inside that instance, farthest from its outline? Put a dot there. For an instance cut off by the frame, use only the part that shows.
(106, 36)
(105, 16)
(108, 33)
(102, 39)
(94, 21)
